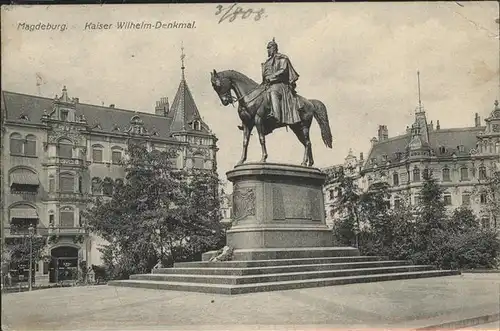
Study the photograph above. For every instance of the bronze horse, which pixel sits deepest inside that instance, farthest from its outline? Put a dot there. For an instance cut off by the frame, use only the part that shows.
(254, 105)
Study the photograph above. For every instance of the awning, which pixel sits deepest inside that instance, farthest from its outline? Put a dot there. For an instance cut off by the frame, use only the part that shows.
(24, 178)
(24, 213)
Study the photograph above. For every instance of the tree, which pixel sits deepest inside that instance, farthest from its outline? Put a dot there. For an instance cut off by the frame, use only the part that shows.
(17, 251)
(358, 210)
(158, 213)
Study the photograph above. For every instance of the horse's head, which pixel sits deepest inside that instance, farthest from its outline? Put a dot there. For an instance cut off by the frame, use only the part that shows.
(222, 85)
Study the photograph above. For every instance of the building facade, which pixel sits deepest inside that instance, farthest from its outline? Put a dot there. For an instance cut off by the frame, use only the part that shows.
(461, 159)
(58, 152)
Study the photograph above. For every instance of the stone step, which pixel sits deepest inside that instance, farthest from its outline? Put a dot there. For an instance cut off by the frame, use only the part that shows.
(279, 269)
(280, 262)
(279, 277)
(286, 253)
(278, 286)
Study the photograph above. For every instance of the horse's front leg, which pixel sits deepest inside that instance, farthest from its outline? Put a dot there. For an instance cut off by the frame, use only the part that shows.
(247, 130)
(262, 137)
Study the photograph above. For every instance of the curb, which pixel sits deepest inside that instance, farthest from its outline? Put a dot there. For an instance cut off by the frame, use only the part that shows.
(485, 319)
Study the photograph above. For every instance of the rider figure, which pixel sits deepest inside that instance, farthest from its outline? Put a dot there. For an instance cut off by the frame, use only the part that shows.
(279, 77)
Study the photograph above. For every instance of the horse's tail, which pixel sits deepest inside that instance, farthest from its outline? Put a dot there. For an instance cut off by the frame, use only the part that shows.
(321, 116)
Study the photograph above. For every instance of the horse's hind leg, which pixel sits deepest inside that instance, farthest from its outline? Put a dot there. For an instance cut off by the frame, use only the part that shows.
(262, 137)
(297, 129)
(310, 159)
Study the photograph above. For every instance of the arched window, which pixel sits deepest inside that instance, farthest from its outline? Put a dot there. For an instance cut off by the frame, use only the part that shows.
(67, 217)
(65, 148)
(21, 216)
(96, 186)
(97, 153)
(446, 175)
(464, 173)
(416, 175)
(482, 173)
(23, 179)
(107, 187)
(116, 155)
(67, 182)
(395, 179)
(197, 125)
(16, 144)
(30, 145)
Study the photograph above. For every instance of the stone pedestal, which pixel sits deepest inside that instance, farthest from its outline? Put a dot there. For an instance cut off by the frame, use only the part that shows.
(277, 206)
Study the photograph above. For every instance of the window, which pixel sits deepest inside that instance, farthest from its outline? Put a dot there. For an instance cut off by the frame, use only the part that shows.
(395, 179)
(397, 202)
(482, 173)
(485, 223)
(67, 217)
(417, 199)
(30, 145)
(466, 199)
(96, 186)
(483, 198)
(67, 183)
(116, 157)
(65, 148)
(339, 192)
(464, 174)
(426, 173)
(416, 175)
(97, 153)
(52, 184)
(447, 199)
(51, 220)
(80, 184)
(64, 115)
(16, 143)
(107, 187)
(332, 195)
(446, 175)
(442, 150)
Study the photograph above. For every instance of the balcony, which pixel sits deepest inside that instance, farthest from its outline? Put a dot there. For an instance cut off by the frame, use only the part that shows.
(67, 196)
(66, 162)
(66, 230)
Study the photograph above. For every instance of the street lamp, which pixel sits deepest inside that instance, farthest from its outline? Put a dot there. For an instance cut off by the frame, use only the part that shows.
(31, 231)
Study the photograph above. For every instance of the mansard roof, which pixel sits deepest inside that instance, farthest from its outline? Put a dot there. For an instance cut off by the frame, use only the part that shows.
(107, 118)
(450, 139)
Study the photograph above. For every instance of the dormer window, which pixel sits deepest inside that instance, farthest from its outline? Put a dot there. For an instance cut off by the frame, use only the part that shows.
(197, 125)
(64, 115)
(442, 150)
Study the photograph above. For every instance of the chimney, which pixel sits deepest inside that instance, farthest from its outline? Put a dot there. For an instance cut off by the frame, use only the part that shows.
(383, 133)
(361, 158)
(373, 141)
(438, 126)
(162, 107)
(112, 105)
(477, 120)
(76, 100)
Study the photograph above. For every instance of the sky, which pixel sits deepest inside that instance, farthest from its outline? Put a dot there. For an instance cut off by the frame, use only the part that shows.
(360, 59)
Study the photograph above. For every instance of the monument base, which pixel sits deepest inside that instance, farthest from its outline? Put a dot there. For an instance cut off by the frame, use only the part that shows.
(277, 206)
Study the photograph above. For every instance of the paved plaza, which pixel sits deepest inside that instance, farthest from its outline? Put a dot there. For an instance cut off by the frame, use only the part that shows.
(394, 304)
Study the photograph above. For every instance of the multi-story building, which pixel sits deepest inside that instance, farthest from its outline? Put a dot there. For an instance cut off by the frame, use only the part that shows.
(461, 159)
(58, 152)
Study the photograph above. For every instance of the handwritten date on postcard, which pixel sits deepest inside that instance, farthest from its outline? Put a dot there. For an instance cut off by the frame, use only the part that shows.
(230, 13)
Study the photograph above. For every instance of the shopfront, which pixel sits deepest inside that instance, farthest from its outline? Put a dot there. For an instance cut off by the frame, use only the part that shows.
(64, 264)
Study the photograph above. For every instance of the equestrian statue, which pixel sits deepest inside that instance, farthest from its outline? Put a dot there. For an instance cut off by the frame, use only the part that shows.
(272, 104)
